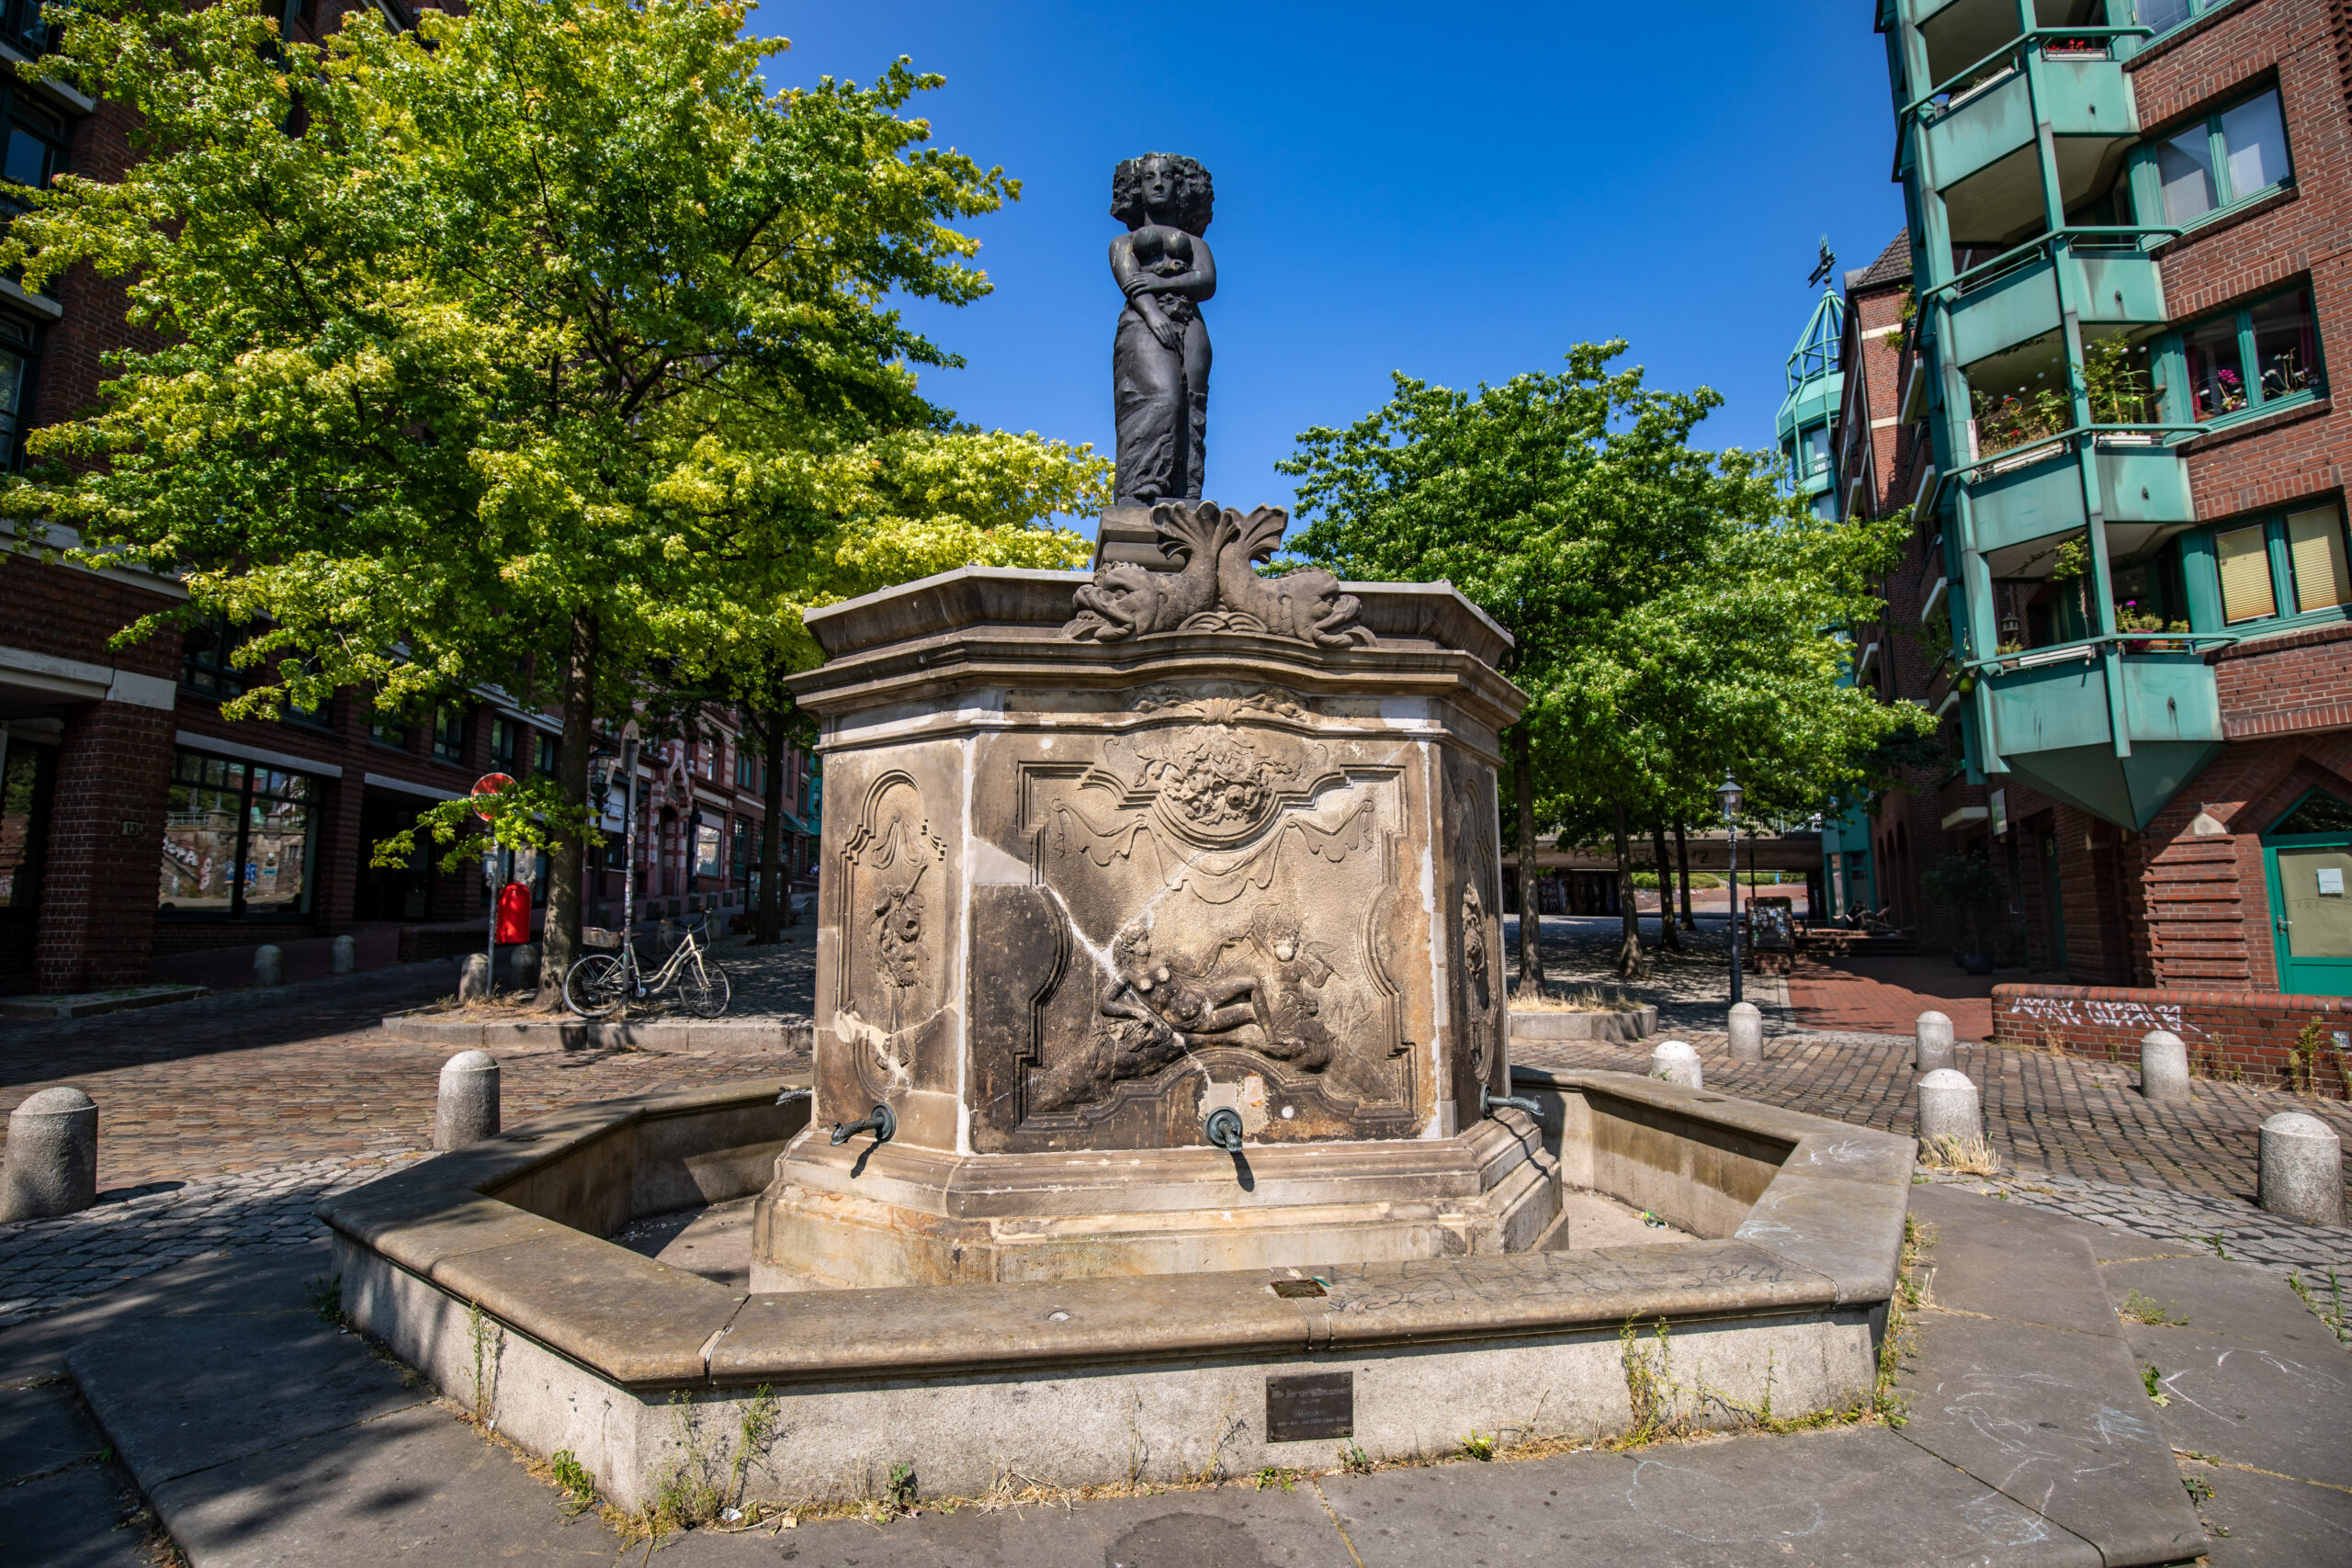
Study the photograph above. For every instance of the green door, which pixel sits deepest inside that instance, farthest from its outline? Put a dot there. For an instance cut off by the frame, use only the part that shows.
(2307, 860)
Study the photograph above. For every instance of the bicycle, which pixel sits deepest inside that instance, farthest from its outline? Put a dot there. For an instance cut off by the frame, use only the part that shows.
(602, 982)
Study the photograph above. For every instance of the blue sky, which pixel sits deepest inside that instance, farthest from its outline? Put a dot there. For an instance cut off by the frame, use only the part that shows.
(1460, 192)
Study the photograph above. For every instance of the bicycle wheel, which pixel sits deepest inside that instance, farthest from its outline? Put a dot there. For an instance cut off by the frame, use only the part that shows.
(593, 987)
(703, 988)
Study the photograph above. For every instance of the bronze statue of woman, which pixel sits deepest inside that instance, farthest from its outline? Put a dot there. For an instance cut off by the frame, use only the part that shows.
(1159, 360)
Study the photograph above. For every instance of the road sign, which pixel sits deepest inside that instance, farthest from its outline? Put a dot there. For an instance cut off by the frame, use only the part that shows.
(487, 789)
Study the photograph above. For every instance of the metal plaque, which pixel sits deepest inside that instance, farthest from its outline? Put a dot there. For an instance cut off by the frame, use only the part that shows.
(1301, 1409)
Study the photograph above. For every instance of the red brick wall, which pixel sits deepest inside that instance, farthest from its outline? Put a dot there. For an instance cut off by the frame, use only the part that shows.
(98, 899)
(2231, 1034)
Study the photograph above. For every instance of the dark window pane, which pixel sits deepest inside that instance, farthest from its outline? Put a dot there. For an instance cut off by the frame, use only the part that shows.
(2254, 143)
(2216, 380)
(2286, 349)
(2319, 813)
(27, 161)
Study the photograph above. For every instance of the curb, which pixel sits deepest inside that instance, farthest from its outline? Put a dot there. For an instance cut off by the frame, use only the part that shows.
(699, 1037)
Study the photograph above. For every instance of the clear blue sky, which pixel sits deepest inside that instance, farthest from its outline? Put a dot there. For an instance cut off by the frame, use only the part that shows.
(1460, 192)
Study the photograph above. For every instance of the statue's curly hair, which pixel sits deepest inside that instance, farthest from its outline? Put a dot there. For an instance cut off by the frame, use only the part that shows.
(1195, 196)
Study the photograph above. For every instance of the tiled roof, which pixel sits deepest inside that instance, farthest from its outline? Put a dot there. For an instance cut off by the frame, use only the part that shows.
(1893, 265)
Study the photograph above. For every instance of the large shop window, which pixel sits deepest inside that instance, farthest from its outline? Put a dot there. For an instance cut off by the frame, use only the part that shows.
(238, 841)
(2293, 565)
(2223, 159)
(2252, 360)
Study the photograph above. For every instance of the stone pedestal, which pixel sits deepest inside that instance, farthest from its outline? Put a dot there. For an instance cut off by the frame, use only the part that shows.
(1105, 856)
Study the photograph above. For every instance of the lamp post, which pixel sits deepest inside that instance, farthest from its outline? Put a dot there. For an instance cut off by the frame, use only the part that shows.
(1730, 794)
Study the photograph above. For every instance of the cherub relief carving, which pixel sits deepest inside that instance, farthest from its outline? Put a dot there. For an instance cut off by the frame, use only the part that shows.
(1290, 970)
(1145, 1008)
(898, 919)
(1216, 586)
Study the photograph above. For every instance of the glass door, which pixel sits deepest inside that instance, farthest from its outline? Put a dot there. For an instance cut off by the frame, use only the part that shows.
(2307, 860)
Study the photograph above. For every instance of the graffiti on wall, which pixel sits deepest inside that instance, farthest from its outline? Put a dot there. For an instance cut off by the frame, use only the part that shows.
(2063, 1011)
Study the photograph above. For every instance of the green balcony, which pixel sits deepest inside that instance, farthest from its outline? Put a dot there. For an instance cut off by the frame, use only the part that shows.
(2054, 727)
(2111, 289)
(1981, 152)
(2017, 507)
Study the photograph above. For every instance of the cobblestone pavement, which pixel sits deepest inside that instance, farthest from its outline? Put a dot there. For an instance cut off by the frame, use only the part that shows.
(46, 1264)
(2070, 1134)
(254, 1081)
(2235, 1232)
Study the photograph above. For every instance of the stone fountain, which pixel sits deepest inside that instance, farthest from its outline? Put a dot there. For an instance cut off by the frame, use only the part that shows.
(1164, 1119)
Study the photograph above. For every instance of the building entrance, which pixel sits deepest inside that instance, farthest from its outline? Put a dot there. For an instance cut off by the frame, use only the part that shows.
(2307, 859)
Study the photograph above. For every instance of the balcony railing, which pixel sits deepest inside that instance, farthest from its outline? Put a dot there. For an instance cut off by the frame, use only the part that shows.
(1985, 113)
(2017, 499)
(2013, 299)
(2114, 725)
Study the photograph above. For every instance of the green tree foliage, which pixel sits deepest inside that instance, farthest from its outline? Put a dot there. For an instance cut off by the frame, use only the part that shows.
(541, 337)
(1674, 613)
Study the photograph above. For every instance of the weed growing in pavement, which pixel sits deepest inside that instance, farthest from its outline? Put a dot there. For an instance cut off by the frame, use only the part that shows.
(1971, 1155)
(2212, 1067)
(484, 1331)
(2331, 1311)
(579, 1486)
(2200, 1491)
(1272, 1477)
(2151, 1377)
(1354, 1460)
(1480, 1447)
(703, 1481)
(1650, 1388)
(2214, 1241)
(2144, 1309)
(902, 1486)
(326, 1299)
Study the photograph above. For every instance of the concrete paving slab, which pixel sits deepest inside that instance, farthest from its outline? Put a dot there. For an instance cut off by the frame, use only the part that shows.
(2268, 1521)
(73, 1518)
(416, 1486)
(1852, 1497)
(2238, 1300)
(178, 1394)
(1233, 1527)
(2010, 1261)
(2274, 1408)
(2057, 1420)
(211, 1282)
(42, 1428)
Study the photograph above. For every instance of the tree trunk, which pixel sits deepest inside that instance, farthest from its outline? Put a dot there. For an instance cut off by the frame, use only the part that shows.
(567, 869)
(1682, 855)
(1669, 939)
(1531, 922)
(775, 899)
(1629, 951)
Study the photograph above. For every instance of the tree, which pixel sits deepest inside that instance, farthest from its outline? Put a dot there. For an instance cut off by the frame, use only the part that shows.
(543, 336)
(1672, 612)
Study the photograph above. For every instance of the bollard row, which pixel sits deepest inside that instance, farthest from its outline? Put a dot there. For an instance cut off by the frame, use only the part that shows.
(1675, 1062)
(2302, 1169)
(466, 1108)
(1932, 1046)
(1746, 1032)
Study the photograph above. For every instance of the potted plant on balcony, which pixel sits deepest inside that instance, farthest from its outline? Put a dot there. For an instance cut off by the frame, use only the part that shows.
(1966, 883)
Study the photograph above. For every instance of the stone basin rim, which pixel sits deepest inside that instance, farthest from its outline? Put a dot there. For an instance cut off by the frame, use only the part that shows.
(441, 1221)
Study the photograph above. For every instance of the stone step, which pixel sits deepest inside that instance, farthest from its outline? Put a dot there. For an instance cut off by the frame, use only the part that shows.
(690, 1037)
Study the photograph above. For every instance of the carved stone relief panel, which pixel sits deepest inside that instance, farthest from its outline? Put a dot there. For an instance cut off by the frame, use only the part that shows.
(1480, 1000)
(1233, 890)
(894, 924)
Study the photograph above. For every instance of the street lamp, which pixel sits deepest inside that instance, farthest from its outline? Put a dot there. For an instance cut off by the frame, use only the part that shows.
(1730, 794)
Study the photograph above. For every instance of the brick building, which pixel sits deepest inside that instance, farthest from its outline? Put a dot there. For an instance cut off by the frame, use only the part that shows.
(134, 819)
(2092, 374)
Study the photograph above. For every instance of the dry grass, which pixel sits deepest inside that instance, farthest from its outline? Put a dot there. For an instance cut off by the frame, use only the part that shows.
(1583, 999)
(1971, 1155)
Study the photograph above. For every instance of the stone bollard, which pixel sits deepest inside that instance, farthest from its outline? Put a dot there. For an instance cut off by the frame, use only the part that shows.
(269, 965)
(52, 1164)
(473, 978)
(1675, 1062)
(1948, 1106)
(2164, 1065)
(523, 967)
(1932, 1047)
(1746, 1032)
(467, 1112)
(346, 954)
(2303, 1168)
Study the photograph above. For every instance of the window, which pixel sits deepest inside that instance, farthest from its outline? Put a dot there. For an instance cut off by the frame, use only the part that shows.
(742, 849)
(504, 737)
(205, 666)
(237, 840)
(2318, 812)
(24, 825)
(23, 27)
(2163, 16)
(547, 753)
(387, 728)
(17, 344)
(707, 850)
(2257, 357)
(448, 734)
(1814, 462)
(2226, 158)
(2294, 565)
(747, 771)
